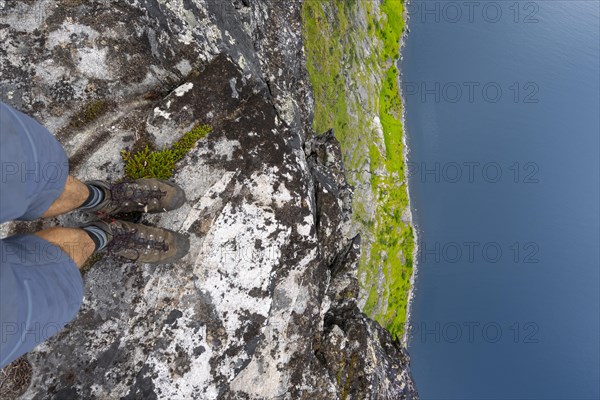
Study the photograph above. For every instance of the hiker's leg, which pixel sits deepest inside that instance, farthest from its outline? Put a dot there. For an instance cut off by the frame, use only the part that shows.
(34, 169)
(76, 243)
(41, 288)
(73, 196)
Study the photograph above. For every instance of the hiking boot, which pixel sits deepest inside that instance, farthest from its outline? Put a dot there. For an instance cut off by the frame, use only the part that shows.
(142, 243)
(142, 195)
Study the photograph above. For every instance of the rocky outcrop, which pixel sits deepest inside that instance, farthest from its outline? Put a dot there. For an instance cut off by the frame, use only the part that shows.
(264, 305)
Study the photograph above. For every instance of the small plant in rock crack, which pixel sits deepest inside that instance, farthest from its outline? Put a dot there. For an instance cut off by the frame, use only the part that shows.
(148, 163)
(90, 112)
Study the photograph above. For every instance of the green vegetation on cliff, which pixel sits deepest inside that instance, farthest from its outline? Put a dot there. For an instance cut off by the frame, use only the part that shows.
(351, 49)
(147, 163)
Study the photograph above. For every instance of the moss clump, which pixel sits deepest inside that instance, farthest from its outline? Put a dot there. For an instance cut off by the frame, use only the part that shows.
(89, 113)
(91, 261)
(148, 163)
(345, 390)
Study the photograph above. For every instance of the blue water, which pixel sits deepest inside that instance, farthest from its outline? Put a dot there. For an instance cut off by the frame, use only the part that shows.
(505, 192)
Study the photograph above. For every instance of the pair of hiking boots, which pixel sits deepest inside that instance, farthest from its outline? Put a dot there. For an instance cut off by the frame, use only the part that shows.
(138, 242)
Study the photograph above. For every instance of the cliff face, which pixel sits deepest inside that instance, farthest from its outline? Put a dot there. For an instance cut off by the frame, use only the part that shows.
(351, 49)
(264, 306)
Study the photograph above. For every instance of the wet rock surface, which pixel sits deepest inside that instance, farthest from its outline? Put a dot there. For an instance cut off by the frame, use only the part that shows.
(264, 305)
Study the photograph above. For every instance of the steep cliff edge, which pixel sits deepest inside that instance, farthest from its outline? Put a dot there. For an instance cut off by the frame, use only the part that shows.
(352, 48)
(264, 306)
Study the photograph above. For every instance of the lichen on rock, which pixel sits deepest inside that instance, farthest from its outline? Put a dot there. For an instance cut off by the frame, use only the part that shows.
(264, 305)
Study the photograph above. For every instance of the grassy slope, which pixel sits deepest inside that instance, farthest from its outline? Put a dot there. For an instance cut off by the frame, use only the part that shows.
(331, 39)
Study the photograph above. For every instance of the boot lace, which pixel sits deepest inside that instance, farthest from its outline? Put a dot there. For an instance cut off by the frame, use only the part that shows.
(127, 191)
(131, 240)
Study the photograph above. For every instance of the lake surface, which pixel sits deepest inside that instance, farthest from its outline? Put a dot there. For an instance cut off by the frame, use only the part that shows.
(502, 104)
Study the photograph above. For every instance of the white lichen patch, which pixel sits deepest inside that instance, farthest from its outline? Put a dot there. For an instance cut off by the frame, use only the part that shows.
(69, 33)
(270, 190)
(292, 294)
(238, 255)
(241, 62)
(230, 38)
(183, 89)
(25, 16)
(184, 67)
(92, 62)
(226, 148)
(197, 380)
(286, 108)
(160, 113)
(304, 228)
(234, 92)
(101, 164)
(49, 71)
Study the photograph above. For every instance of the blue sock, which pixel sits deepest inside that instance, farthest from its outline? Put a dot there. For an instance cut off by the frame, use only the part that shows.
(96, 197)
(99, 237)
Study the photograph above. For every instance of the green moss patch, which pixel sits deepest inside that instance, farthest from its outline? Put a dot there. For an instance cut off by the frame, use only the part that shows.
(148, 163)
(89, 113)
(91, 261)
